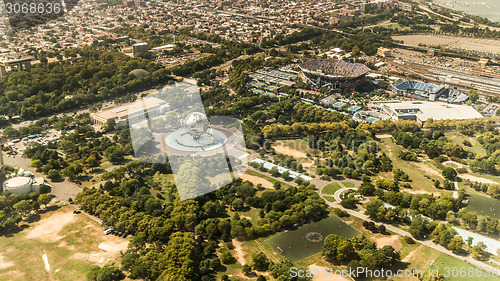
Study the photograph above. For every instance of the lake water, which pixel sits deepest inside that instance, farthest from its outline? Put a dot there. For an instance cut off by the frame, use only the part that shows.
(485, 8)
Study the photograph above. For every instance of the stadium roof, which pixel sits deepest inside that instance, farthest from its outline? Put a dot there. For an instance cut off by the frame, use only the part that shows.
(337, 68)
(424, 110)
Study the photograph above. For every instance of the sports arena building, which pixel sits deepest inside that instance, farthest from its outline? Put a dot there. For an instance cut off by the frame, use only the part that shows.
(424, 91)
(331, 73)
(423, 110)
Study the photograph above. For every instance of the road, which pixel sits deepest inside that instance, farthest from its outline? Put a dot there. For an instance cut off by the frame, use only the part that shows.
(61, 190)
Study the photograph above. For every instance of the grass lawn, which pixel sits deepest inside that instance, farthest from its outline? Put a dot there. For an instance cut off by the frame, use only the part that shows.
(331, 188)
(348, 184)
(307, 240)
(458, 138)
(415, 171)
(420, 259)
(329, 198)
(483, 205)
(443, 260)
(72, 243)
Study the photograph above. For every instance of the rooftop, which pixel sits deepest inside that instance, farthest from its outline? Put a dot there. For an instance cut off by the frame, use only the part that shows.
(438, 111)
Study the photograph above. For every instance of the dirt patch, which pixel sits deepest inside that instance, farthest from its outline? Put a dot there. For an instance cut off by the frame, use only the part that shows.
(289, 151)
(49, 228)
(4, 264)
(393, 241)
(428, 169)
(321, 275)
(417, 191)
(109, 251)
(113, 247)
(240, 255)
(478, 179)
(256, 180)
(383, 136)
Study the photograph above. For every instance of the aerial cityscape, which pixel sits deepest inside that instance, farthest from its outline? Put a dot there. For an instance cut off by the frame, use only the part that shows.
(211, 140)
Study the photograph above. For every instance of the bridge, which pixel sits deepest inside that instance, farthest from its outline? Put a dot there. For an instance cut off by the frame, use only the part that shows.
(8, 66)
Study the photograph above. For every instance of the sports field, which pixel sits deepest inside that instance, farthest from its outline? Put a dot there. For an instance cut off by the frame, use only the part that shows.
(307, 240)
(331, 188)
(483, 205)
(445, 265)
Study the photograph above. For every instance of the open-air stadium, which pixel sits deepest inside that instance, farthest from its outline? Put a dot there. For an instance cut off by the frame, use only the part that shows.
(332, 73)
(369, 116)
(426, 91)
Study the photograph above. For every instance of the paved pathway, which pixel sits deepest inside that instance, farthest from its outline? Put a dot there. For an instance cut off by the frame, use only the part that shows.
(61, 190)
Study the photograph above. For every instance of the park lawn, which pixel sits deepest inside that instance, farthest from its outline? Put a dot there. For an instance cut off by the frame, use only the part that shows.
(459, 138)
(252, 214)
(299, 243)
(331, 188)
(329, 198)
(443, 260)
(70, 241)
(348, 184)
(483, 205)
(420, 179)
(421, 257)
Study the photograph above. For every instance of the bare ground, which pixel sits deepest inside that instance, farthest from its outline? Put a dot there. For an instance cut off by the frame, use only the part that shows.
(49, 228)
(240, 255)
(478, 179)
(392, 240)
(289, 151)
(256, 180)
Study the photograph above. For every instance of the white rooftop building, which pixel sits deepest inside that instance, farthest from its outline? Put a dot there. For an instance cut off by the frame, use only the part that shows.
(423, 110)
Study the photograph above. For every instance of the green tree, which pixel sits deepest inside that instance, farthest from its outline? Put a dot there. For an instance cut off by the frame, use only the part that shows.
(44, 199)
(449, 173)
(479, 251)
(22, 207)
(37, 163)
(418, 227)
(246, 269)
(54, 174)
(260, 261)
(108, 272)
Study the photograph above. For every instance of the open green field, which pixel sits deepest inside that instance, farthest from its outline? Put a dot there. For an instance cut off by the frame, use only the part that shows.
(459, 139)
(331, 188)
(59, 246)
(442, 261)
(483, 205)
(329, 198)
(420, 174)
(299, 244)
(348, 184)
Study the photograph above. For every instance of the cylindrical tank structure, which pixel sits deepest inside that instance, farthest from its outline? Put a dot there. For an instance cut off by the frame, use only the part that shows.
(18, 185)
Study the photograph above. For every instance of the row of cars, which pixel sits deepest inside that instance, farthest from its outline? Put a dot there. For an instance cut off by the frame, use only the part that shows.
(116, 232)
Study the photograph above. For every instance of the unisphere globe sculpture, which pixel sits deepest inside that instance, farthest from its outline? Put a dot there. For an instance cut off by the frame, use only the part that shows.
(196, 124)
